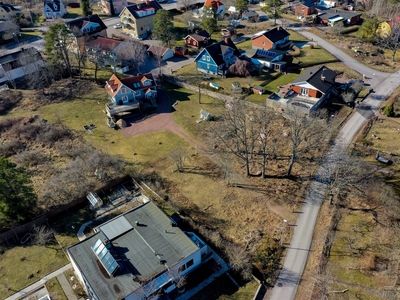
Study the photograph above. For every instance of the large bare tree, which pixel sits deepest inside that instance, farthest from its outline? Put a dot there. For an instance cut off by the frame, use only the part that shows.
(305, 134)
(132, 54)
(236, 132)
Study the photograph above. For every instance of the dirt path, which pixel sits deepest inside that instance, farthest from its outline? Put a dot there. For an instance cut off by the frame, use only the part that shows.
(162, 119)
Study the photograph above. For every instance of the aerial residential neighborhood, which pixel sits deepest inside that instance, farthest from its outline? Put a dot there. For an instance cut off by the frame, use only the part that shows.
(199, 149)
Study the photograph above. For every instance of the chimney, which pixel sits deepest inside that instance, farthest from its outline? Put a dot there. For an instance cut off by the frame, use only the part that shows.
(278, 28)
(226, 40)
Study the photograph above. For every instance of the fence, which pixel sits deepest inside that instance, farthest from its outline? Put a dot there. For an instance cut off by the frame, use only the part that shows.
(40, 220)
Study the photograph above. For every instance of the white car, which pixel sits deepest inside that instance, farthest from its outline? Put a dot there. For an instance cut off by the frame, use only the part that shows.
(116, 26)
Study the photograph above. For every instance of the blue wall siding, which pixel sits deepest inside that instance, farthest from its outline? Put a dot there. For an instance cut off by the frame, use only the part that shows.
(208, 64)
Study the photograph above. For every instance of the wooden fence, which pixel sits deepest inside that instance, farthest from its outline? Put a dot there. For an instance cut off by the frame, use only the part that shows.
(14, 233)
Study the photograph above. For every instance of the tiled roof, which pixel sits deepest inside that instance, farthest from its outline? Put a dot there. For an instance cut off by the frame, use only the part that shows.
(81, 22)
(135, 8)
(275, 34)
(114, 83)
(104, 43)
(319, 77)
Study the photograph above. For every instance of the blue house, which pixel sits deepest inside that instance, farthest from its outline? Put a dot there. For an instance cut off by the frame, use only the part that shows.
(216, 58)
(130, 93)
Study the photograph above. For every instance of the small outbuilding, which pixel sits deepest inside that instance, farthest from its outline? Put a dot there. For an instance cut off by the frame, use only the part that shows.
(163, 52)
(258, 90)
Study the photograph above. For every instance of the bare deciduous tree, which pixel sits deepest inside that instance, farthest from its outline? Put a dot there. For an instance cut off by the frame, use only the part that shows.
(236, 133)
(133, 54)
(305, 133)
(178, 156)
(43, 235)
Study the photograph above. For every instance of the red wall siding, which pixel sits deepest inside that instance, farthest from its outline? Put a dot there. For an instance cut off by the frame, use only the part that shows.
(303, 10)
(258, 42)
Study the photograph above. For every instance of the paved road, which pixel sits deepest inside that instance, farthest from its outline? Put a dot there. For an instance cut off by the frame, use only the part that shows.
(297, 255)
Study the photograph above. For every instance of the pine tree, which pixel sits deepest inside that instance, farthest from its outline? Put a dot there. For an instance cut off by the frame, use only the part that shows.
(17, 197)
(163, 26)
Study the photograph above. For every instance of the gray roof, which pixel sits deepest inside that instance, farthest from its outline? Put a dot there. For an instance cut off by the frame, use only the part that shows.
(116, 227)
(21, 57)
(139, 252)
(8, 26)
(329, 13)
(314, 76)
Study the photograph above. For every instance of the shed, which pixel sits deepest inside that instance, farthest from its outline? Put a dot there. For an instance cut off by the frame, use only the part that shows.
(204, 115)
(258, 90)
(181, 51)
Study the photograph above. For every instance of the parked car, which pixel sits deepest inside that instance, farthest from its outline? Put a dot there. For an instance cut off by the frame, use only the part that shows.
(116, 26)
(215, 86)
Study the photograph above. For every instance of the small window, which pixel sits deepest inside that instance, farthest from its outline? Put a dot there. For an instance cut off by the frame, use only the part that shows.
(263, 43)
(208, 66)
(208, 58)
(189, 264)
(204, 57)
(182, 268)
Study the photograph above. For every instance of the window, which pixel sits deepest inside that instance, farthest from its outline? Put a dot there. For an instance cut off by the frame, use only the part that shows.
(204, 57)
(182, 268)
(189, 264)
(208, 58)
(304, 92)
(208, 66)
(263, 43)
(125, 98)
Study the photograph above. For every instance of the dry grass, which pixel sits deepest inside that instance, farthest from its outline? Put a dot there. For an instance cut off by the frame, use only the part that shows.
(55, 290)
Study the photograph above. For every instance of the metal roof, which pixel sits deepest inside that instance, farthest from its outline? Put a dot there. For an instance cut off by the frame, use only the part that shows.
(116, 227)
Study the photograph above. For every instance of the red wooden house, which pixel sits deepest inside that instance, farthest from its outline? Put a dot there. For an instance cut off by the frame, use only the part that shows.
(270, 39)
(198, 40)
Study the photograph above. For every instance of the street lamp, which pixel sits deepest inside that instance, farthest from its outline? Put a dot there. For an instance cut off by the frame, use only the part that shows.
(283, 231)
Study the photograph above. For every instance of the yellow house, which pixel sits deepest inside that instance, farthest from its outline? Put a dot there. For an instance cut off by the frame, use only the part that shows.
(137, 19)
(385, 28)
(8, 12)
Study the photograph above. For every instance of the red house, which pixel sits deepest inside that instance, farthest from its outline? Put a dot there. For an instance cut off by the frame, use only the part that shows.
(270, 39)
(304, 9)
(315, 82)
(198, 40)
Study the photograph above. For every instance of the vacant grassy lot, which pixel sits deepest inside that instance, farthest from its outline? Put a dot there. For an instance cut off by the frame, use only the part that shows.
(359, 259)
(23, 265)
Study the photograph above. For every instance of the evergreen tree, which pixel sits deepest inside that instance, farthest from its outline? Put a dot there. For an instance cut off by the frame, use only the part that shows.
(367, 31)
(273, 9)
(17, 197)
(112, 8)
(241, 6)
(86, 11)
(209, 22)
(163, 26)
(57, 41)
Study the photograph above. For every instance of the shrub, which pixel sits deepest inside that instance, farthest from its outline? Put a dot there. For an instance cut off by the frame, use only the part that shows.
(388, 111)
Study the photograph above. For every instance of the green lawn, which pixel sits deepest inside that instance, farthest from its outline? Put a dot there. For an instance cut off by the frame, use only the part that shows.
(89, 109)
(24, 264)
(245, 45)
(314, 56)
(191, 75)
(187, 112)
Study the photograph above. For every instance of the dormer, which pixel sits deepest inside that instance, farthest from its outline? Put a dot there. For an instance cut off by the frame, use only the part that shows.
(145, 81)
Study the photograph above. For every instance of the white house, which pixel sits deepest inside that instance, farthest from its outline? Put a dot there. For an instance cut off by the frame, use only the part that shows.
(135, 255)
(16, 65)
(54, 9)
